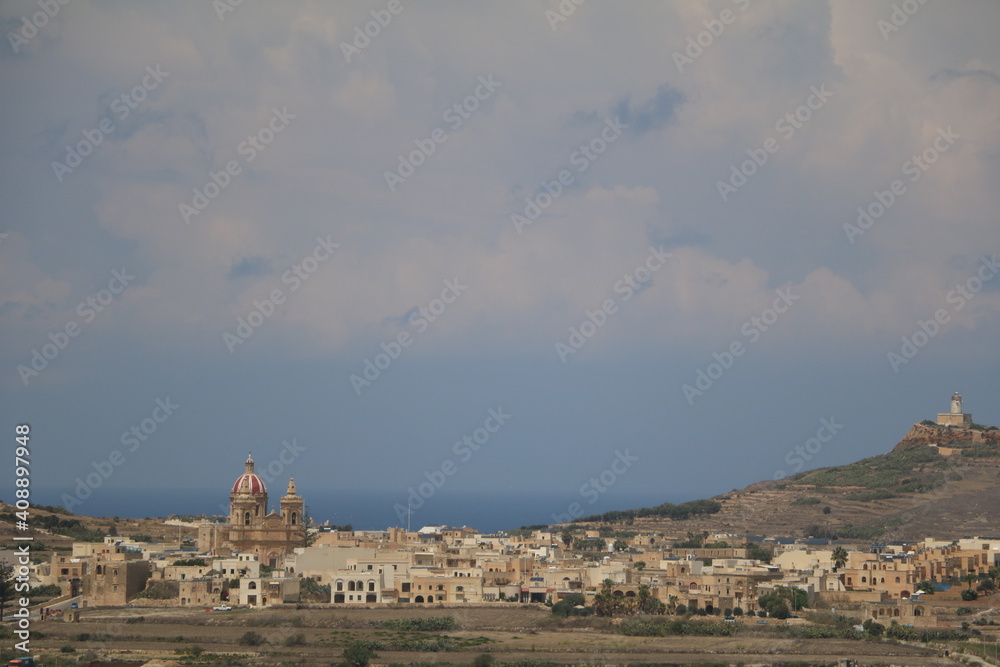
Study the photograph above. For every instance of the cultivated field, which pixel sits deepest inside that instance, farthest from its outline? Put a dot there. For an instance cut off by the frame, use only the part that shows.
(507, 634)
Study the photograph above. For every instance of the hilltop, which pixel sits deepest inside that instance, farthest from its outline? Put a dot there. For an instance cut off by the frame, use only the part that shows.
(938, 481)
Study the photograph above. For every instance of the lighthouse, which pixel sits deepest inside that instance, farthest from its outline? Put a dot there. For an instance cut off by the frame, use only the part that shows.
(956, 417)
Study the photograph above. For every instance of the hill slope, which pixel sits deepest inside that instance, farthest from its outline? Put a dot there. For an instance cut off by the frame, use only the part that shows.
(937, 482)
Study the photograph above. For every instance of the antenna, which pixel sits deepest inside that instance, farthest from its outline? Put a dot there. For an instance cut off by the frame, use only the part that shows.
(407, 517)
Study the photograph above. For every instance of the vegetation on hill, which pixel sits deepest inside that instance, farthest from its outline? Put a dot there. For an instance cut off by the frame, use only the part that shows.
(52, 523)
(910, 470)
(665, 510)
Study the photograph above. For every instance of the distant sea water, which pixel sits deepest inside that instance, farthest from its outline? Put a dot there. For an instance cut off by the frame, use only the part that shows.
(366, 510)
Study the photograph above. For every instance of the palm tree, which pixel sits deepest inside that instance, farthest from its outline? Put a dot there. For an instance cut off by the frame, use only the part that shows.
(567, 538)
(994, 573)
(839, 558)
(969, 579)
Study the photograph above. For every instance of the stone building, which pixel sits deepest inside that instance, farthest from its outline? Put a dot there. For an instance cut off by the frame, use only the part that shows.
(114, 582)
(253, 529)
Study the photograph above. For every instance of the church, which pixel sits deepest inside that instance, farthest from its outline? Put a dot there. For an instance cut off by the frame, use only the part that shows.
(251, 528)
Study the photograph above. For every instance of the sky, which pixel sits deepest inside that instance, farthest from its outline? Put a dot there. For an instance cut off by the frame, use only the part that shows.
(602, 252)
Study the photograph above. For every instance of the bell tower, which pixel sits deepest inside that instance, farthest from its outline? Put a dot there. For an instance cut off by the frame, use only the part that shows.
(291, 506)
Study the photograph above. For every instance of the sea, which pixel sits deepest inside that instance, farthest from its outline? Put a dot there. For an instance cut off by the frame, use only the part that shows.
(367, 509)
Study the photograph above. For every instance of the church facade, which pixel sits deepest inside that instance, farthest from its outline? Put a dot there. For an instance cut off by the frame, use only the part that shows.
(251, 528)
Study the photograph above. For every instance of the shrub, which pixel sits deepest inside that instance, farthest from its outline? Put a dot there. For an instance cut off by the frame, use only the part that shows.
(358, 654)
(67, 649)
(251, 638)
(430, 623)
(873, 628)
(296, 640)
(483, 660)
(780, 611)
(737, 611)
(969, 595)
(681, 610)
(962, 611)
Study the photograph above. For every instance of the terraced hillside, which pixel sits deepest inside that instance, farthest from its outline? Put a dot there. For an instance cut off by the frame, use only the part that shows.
(938, 481)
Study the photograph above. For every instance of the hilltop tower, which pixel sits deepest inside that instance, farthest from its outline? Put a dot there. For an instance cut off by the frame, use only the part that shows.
(956, 417)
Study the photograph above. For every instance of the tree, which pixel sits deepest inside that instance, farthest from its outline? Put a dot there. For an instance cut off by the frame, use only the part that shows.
(839, 558)
(757, 552)
(926, 587)
(620, 545)
(647, 604)
(780, 610)
(640, 565)
(567, 538)
(567, 606)
(6, 586)
(969, 579)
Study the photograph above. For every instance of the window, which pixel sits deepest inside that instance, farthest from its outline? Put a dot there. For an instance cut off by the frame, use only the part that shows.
(252, 586)
(406, 587)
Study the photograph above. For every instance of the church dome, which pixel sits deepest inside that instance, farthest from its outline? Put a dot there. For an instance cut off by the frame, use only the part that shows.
(249, 482)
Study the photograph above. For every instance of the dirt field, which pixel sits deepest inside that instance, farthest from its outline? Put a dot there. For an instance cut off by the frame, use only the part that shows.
(506, 633)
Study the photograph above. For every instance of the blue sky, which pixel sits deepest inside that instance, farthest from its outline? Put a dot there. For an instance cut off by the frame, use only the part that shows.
(688, 230)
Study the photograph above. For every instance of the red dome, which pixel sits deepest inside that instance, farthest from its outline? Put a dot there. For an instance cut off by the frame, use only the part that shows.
(249, 483)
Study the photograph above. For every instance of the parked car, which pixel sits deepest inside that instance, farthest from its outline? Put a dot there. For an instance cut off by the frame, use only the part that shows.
(222, 607)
